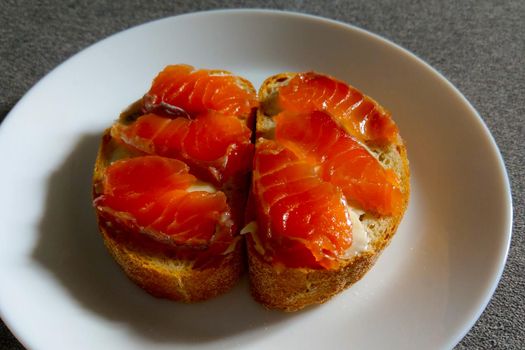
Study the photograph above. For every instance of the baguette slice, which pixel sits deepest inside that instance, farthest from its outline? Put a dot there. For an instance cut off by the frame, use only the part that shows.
(153, 268)
(160, 270)
(291, 289)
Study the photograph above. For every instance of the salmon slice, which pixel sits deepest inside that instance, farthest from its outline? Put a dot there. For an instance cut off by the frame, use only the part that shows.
(150, 195)
(182, 90)
(341, 160)
(358, 114)
(216, 146)
(303, 221)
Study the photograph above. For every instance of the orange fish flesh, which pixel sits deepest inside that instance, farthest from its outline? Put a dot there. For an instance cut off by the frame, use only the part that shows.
(358, 114)
(150, 195)
(341, 161)
(182, 90)
(216, 146)
(303, 221)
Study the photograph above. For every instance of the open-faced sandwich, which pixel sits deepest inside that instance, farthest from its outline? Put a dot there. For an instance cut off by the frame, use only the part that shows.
(330, 186)
(171, 179)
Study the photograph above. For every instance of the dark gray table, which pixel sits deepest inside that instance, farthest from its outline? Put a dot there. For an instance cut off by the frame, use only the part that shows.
(478, 45)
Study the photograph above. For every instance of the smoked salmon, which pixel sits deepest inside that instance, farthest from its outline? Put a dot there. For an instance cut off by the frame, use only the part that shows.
(152, 195)
(201, 117)
(303, 220)
(216, 146)
(196, 120)
(358, 114)
(303, 182)
(183, 90)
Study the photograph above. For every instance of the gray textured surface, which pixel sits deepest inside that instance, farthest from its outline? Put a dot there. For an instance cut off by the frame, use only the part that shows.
(478, 45)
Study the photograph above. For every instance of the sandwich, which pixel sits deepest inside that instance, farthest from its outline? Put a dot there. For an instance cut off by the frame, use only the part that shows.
(330, 185)
(170, 183)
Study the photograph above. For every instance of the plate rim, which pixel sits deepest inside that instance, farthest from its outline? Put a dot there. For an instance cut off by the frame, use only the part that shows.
(488, 293)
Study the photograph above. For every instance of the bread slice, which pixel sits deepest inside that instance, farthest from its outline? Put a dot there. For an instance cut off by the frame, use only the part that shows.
(154, 268)
(291, 289)
(157, 269)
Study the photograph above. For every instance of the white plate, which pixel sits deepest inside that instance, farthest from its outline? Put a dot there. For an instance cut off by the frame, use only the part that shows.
(60, 289)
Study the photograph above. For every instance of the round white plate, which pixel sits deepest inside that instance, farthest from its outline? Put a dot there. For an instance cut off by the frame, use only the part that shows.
(60, 289)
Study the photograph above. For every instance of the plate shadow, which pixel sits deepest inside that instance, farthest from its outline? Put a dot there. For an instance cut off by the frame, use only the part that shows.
(70, 247)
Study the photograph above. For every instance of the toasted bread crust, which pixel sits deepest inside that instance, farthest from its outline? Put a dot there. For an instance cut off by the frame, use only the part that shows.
(165, 277)
(291, 289)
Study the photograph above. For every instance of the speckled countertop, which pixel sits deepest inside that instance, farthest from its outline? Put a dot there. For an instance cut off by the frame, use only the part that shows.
(478, 45)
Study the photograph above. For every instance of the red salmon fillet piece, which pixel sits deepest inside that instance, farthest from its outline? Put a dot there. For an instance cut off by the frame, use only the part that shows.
(341, 160)
(358, 114)
(149, 194)
(181, 88)
(303, 220)
(216, 146)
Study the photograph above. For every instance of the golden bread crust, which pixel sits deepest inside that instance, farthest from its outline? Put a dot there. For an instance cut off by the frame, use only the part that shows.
(291, 289)
(165, 277)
